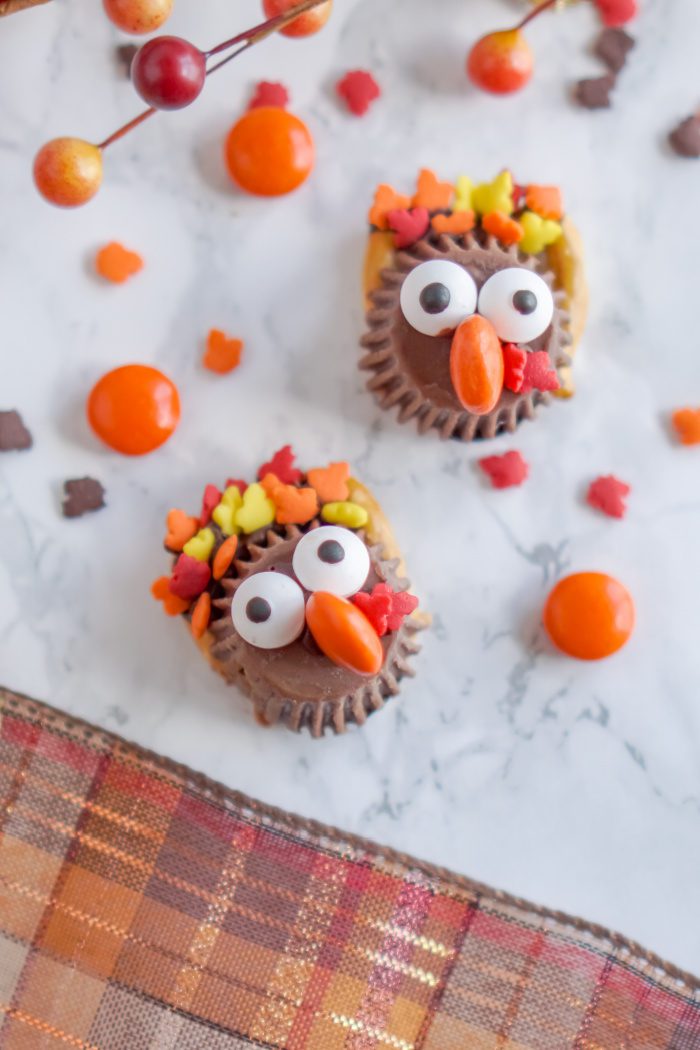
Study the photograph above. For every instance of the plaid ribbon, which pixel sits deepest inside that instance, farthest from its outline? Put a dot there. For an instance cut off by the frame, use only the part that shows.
(143, 906)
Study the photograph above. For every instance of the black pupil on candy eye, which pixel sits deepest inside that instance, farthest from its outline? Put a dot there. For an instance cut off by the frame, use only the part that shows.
(435, 298)
(331, 552)
(525, 301)
(258, 610)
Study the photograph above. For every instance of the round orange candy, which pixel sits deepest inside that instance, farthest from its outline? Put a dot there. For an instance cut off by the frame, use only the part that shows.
(306, 24)
(589, 615)
(68, 171)
(269, 151)
(134, 409)
(138, 16)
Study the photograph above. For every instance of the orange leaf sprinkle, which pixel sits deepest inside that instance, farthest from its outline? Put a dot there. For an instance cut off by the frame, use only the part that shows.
(431, 193)
(222, 354)
(181, 528)
(270, 482)
(386, 199)
(501, 226)
(545, 200)
(686, 422)
(457, 222)
(223, 557)
(201, 615)
(116, 263)
(294, 506)
(172, 605)
(331, 482)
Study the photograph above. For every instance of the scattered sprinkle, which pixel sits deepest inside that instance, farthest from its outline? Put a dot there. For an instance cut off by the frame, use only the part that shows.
(225, 513)
(240, 485)
(607, 494)
(190, 577)
(594, 92)
(359, 89)
(514, 361)
(612, 47)
(116, 263)
(352, 515)
(456, 223)
(124, 54)
(14, 436)
(201, 614)
(222, 354)
(385, 608)
(506, 470)
(294, 506)
(539, 373)
(257, 512)
(539, 233)
(502, 227)
(224, 556)
(210, 499)
(409, 226)
(386, 199)
(331, 482)
(686, 423)
(431, 193)
(545, 201)
(82, 495)
(269, 93)
(172, 605)
(282, 466)
(180, 528)
(494, 196)
(685, 139)
(200, 546)
(616, 12)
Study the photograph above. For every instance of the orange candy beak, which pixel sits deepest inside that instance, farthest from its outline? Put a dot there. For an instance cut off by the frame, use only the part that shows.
(476, 365)
(344, 634)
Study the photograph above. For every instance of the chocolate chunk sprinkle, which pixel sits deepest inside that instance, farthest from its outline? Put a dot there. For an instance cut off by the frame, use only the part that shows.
(594, 93)
(125, 56)
(81, 496)
(613, 47)
(685, 139)
(14, 436)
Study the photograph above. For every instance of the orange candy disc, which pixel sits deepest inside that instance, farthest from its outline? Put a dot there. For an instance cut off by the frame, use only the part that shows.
(476, 365)
(589, 615)
(344, 633)
(269, 151)
(134, 409)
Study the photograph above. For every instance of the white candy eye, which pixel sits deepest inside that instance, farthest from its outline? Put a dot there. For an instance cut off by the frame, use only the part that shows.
(331, 559)
(269, 610)
(437, 295)
(518, 303)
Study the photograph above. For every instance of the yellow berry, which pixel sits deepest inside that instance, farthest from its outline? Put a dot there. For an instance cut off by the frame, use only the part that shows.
(68, 172)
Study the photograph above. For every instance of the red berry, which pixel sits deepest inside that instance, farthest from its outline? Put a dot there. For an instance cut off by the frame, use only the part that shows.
(501, 62)
(168, 72)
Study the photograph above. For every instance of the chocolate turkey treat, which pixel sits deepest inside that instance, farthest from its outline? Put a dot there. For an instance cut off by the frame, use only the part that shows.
(294, 589)
(476, 300)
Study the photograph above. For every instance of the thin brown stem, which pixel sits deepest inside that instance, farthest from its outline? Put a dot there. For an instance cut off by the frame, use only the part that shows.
(246, 39)
(544, 6)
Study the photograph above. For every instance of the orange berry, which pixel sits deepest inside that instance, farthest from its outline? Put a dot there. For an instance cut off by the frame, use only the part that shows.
(501, 62)
(305, 24)
(68, 172)
(134, 409)
(589, 615)
(344, 633)
(269, 151)
(138, 16)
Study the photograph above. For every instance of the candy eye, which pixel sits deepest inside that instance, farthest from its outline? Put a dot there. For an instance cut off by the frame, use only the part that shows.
(331, 559)
(268, 610)
(518, 303)
(437, 295)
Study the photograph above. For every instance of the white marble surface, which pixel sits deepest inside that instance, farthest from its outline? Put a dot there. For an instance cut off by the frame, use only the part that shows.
(575, 785)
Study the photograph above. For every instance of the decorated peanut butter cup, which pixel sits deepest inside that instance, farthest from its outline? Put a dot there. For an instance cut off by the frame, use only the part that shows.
(476, 302)
(294, 589)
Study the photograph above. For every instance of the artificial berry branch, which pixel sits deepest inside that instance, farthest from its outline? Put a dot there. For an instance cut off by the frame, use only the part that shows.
(544, 6)
(247, 39)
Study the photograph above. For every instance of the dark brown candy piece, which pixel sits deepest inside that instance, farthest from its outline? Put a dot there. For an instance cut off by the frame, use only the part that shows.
(125, 56)
(14, 436)
(685, 139)
(82, 495)
(613, 47)
(594, 93)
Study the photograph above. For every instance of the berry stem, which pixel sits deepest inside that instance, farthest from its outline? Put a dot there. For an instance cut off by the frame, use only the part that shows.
(246, 39)
(544, 6)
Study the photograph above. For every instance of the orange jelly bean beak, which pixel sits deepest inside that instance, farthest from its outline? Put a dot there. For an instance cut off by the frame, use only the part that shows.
(476, 365)
(344, 634)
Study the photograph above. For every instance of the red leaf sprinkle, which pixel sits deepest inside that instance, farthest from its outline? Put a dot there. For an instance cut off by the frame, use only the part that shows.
(385, 608)
(189, 577)
(269, 93)
(608, 495)
(514, 361)
(505, 471)
(359, 89)
(539, 374)
(282, 466)
(409, 226)
(210, 499)
(240, 485)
